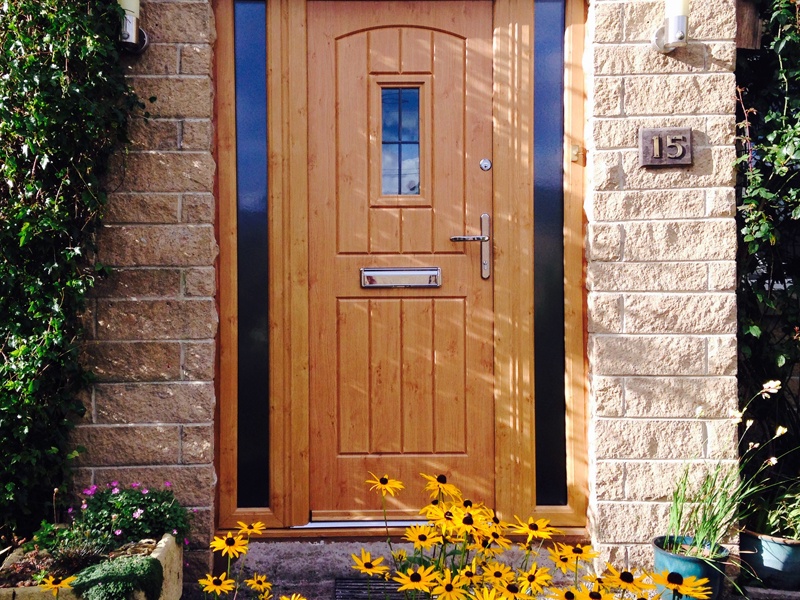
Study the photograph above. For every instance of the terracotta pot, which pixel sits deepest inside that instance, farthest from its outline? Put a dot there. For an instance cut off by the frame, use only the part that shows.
(775, 561)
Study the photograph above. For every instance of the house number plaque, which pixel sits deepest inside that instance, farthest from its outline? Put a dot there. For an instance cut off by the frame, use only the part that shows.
(665, 147)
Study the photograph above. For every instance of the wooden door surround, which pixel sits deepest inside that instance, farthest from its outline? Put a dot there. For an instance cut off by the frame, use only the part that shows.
(290, 389)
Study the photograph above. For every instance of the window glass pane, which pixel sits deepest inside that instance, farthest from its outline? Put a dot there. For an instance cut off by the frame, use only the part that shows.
(409, 115)
(409, 169)
(400, 140)
(391, 169)
(390, 105)
(253, 275)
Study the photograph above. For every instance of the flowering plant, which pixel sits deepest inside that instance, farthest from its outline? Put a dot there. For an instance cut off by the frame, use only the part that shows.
(457, 556)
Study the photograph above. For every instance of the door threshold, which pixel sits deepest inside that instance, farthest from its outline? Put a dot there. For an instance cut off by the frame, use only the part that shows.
(357, 524)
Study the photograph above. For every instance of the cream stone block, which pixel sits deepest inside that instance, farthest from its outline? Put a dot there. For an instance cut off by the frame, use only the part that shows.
(604, 242)
(723, 436)
(679, 397)
(640, 556)
(607, 96)
(696, 94)
(638, 59)
(608, 395)
(642, 19)
(722, 275)
(660, 355)
(653, 481)
(605, 313)
(711, 167)
(649, 204)
(624, 133)
(721, 202)
(646, 277)
(712, 20)
(680, 313)
(649, 439)
(610, 480)
(607, 170)
(680, 240)
(631, 522)
(722, 355)
(607, 21)
(721, 56)
(721, 130)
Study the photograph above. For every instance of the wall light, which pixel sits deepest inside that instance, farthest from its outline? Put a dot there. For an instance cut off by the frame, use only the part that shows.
(134, 39)
(675, 30)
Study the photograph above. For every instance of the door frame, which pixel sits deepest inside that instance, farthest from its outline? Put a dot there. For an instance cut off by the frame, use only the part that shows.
(287, 126)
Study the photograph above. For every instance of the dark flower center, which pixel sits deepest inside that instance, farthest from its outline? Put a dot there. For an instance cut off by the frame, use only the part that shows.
(216, 581)
(595, 596)
(533, 527)
(448, 516)
(368, 565)
(498, 574)
(495, 535)
(467, 503)
(563, 558)
(423, 537)
(435, 502)
(512, 588)
(56, 580)
(577, 550)
(448, 587)
(415, 577)
(569, 595)
(531, 577)
(468, 520)
(675, 579)
(441, 479)
(229, 541)
(469, 574)
(626, 577)
(383, 480)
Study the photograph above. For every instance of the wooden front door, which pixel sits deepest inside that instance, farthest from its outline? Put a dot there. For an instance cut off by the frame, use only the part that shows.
(401, 378)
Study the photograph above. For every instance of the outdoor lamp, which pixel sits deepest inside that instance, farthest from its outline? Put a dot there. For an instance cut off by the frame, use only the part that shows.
(675, 30)
(133, 38)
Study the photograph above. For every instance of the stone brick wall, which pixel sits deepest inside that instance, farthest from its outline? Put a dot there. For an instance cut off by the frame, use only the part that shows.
(152, 323)
(660, 266)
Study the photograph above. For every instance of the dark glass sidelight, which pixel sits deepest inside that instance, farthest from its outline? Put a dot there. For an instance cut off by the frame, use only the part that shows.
(250, 22)
(400, 141)
(548, 205)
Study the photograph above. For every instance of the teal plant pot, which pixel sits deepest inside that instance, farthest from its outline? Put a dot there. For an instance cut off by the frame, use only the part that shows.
(775, 561)
(712, 569)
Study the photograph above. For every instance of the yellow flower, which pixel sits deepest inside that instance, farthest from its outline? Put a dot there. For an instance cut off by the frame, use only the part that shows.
(366, 565)
(485, 593)
(497, 573)
(384, 484)
(256, 528)
(497, 537)
(559, 556)
(584, 553)
(449, 587)
(423, 536)
(56, 583)
(509, 590)
(596, 594)
(627, 581)
(230, 545)
(443, 518)
(569, 593)
(259, 583)
(217, 585)
(293, 597)
(438, 485)
(538, 529)
(470, 573)
(423, 579)
(534, 580)
(691, 587)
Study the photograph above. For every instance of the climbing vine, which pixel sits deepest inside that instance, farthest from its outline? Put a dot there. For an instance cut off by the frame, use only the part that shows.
(64, 105)
(769, 220)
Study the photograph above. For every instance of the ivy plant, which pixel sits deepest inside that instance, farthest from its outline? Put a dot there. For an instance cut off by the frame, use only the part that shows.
(769, 222)
(64, 105)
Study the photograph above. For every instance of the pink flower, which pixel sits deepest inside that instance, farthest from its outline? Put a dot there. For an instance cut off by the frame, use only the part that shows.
(69, 510)
(90, 491)
(145, 491)
(135, 484)
(138, 513)
(167, 484)
(118, 532)
(185, 541)
(84, 506)
(115, 490)
(114, 484)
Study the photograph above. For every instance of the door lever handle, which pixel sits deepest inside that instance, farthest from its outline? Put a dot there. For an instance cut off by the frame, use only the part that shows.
(486, 246)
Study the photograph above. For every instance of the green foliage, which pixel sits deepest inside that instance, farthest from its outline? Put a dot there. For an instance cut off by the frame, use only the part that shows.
(64, 104)
(117, 579)
(119, 514)
(769, 221)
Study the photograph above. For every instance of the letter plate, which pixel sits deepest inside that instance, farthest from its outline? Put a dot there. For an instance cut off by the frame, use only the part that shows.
(665, 147)
(401, 277)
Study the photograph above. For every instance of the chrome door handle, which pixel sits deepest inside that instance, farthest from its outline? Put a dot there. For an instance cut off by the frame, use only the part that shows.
(486, 246)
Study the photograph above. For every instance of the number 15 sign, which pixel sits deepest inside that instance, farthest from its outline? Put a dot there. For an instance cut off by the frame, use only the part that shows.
(665, 147)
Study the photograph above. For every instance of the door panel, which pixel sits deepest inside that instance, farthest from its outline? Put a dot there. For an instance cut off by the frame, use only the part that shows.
(401, 378)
